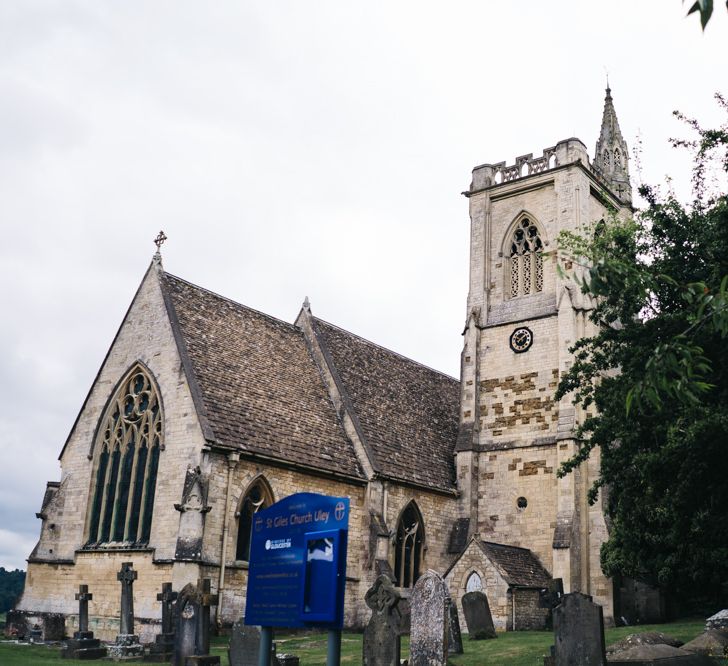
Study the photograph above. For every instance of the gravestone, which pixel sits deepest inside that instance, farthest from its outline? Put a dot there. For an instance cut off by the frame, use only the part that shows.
(455, 639)
(381, 642)
(162, 650)
(192, 638)
(478, 619)
(717, 621)
(83, 645)
(550, 597)
(658, 655)
(127, 645)
(244, 645)
(429, 630)
(578, 631)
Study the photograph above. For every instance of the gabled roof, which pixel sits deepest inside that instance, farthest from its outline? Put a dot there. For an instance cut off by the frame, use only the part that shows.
(408, 412)
(519, 566)
(256, 385)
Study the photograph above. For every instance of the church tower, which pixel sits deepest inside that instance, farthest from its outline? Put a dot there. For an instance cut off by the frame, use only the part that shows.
(522, 318)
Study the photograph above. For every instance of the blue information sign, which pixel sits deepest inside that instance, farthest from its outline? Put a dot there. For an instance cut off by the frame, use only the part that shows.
(297, 566)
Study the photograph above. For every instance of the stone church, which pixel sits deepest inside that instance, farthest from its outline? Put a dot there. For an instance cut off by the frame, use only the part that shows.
(205, 411)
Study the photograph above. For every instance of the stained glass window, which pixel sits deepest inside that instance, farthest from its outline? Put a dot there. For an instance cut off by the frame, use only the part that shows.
(257, 497)
(408, 546)
(126, 473)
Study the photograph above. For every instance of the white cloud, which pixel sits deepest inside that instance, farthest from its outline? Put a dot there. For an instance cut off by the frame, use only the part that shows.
(288, 149)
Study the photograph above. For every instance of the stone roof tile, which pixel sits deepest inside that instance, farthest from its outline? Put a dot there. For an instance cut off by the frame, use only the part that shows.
(260, 388)
(407, 411)
(520, 567)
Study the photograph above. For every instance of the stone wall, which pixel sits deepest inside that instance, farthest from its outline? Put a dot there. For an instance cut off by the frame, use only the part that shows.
(529, 614)
(505, 476)
(494, 586)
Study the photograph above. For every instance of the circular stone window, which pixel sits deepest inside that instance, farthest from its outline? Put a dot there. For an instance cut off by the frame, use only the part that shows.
(521, 340)
(521, 503)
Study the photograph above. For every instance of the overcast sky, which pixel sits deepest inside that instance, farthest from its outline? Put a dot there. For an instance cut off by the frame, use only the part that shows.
(287, 148)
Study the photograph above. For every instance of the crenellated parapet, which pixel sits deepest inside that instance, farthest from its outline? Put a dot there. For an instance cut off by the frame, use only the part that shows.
(564, 152)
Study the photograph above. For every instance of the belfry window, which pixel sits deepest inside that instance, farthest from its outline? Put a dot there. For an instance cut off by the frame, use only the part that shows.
(526, 260)
(256, 498)
(408, 546)
(127, 457)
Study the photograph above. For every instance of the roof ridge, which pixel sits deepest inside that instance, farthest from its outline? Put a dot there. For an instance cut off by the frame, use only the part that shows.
(387, 349)
(233, 302)
(506, 545)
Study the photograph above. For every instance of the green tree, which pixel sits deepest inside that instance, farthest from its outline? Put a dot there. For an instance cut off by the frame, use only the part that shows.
(705, 10)
(11, 585)
(657, 374)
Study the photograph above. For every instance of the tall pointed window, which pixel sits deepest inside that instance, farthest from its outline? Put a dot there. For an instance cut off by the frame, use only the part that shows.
(258, 496)
(127, 457)
(526, 260)
(408, 546)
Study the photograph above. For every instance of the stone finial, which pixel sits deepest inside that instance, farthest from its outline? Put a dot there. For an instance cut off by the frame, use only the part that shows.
(307, 304)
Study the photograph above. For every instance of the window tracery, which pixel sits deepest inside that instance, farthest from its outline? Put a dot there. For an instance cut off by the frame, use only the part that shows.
(526, 260)
(408, 546)
(127, 458)
(256, 498)
(617, 158)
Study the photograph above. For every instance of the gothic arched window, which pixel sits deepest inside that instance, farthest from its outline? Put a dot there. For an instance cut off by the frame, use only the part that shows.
(474, 583)
(256, 498)
(127, 457)
(408, 546)
(606, 161)
(526, 260)
(617, 158)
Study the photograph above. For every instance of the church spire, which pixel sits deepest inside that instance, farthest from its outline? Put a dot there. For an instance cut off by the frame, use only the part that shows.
(611, 155)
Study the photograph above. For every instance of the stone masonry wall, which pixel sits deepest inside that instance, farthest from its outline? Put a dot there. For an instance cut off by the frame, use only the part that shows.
(494, 586)
(528, 472)
(144, 336)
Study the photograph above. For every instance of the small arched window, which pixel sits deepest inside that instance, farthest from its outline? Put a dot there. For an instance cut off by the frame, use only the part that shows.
(606, 160)
(526, 260)
(474, 584)
(127, 457)
(257, 497)
(408, 546)
(617, 158)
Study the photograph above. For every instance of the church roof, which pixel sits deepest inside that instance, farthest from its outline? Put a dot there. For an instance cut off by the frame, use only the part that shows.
(408, 412)
(519, 566)
(255, 382)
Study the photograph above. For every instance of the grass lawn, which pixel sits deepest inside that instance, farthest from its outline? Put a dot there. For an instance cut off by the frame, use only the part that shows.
(522, 648)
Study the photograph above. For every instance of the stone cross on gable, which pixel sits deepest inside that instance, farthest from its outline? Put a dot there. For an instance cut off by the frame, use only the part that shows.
(167, 597)
(126, 577)
(206, 599)
(83, 597)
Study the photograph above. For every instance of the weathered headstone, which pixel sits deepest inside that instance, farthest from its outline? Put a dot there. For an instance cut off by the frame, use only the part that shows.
(244, 645)
(192, 638)
(127, 645)
(83, 645)
(429, 631)
(381, 643)
(455, 639)
(477, 616)
(550, 598)
(717, 621)
(578, 631)
(162, 650)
